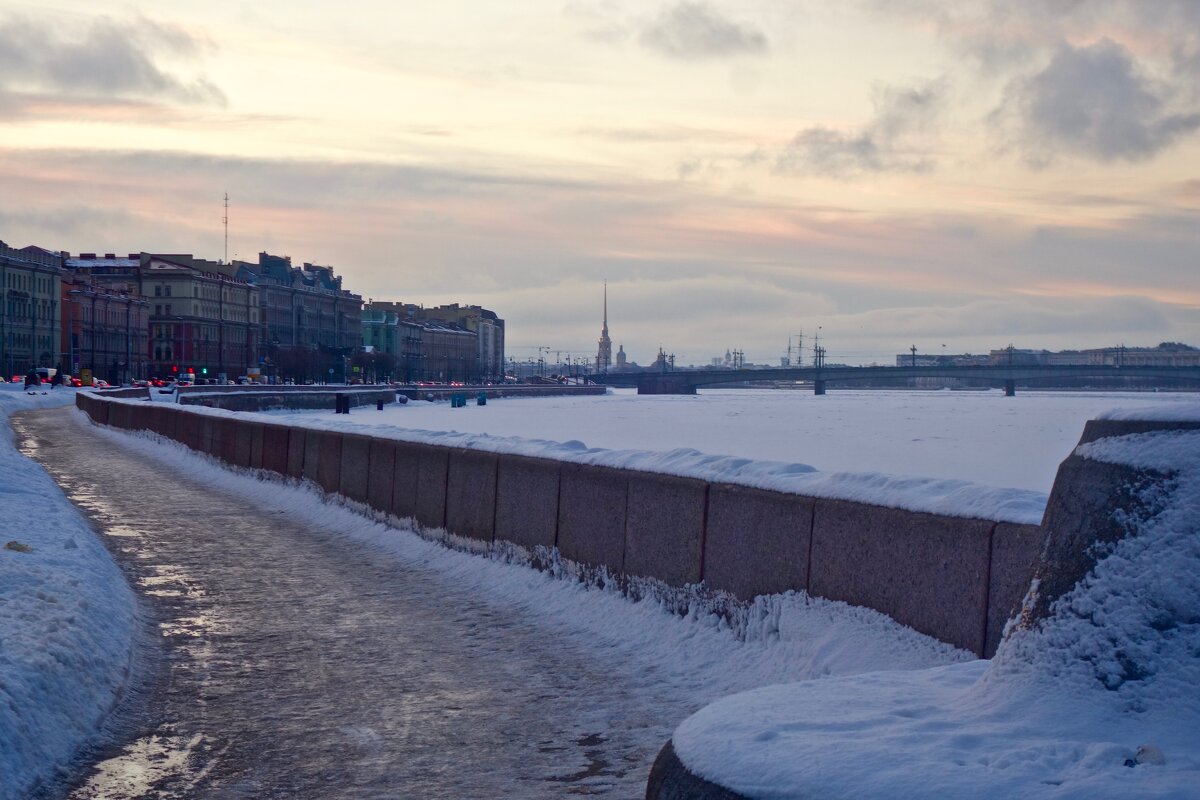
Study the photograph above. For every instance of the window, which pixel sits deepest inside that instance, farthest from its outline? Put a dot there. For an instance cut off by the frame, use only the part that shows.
(157, 291)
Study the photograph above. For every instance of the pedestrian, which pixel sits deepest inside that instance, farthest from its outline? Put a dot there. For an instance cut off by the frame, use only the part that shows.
(32, 380)
(56, 380)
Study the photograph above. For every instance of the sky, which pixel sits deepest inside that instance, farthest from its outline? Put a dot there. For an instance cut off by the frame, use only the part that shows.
(888, 173)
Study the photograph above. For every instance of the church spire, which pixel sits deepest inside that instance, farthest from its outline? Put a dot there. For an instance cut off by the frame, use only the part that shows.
(604, 353)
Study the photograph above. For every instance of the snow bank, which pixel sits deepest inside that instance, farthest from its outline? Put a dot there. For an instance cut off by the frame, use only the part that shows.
(948, 497)
(1181, 412)
(66, 617)
(1100, 700)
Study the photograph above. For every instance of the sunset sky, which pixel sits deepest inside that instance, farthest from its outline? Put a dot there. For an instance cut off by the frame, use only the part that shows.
(893, 171)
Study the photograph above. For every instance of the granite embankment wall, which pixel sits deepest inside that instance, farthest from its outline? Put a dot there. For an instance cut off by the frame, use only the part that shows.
(262, 398)
(954, 578)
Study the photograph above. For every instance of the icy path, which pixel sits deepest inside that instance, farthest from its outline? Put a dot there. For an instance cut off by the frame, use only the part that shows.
(297, 663)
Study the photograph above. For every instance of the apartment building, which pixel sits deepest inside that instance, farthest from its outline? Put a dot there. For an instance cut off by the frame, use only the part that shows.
(31, 312)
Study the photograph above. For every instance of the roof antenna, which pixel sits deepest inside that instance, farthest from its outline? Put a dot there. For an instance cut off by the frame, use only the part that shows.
(225, 221)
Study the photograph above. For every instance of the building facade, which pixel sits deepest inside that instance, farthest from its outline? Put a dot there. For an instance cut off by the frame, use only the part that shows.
(489, 335)
(31, 312)
(105, 331)
(203, 317)
(428, 348)
(309, 322)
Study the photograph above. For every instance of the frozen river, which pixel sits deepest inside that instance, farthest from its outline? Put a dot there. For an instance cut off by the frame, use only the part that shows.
(979, 436)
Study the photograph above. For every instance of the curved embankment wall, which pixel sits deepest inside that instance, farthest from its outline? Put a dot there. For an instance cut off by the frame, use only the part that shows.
(1085, 516)
(957, 579)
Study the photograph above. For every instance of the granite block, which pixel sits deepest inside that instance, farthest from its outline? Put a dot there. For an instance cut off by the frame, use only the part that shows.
(757, 541)
(406, 469)
(297, 449)
(1016, 550)
(923, 570)
(356, 466)
(432, 468)
(275, 447)
(527, 500)
(664, 527)
(381, 475)
(471, 493)
(329, 463)
(591, 515)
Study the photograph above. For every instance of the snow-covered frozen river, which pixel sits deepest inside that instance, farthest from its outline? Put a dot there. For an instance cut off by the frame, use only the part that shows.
(979, 436)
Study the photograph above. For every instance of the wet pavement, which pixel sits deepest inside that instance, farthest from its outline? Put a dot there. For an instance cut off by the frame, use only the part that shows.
(283, 660)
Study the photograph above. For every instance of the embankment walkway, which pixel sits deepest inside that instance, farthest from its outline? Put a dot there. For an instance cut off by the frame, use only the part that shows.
(288, 661)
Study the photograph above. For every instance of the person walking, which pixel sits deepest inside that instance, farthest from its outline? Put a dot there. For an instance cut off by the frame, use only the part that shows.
(57, 380)
(32, 379)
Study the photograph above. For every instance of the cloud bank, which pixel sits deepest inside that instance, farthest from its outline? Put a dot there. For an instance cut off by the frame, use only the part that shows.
(106, 58)
(895, 140)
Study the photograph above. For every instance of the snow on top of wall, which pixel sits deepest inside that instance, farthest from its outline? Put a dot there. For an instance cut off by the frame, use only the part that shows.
(1181, 412)
(1099, 700)
(956, 498)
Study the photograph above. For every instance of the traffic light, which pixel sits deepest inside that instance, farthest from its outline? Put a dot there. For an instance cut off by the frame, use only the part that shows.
(204, 370)
(174, 368)
(192, 370)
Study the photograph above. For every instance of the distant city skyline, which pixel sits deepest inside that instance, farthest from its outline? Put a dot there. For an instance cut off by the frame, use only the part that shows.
(897, 173)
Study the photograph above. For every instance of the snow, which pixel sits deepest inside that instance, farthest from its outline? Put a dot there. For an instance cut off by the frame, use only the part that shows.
(1098, 701)
(592, 416)
(1054, 714)
(66, 617)
(1176, 412)
(958, 453)
(977, 436)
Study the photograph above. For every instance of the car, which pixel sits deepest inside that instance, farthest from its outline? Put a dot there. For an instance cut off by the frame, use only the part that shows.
(100, 383)
(141, 383)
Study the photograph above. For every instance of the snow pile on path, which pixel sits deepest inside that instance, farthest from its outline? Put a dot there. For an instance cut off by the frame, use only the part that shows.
(955, 498)
(66, 617)
(1100, 700)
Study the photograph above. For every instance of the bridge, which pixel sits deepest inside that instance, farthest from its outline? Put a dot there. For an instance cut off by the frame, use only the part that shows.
(686, 381)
